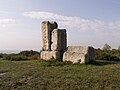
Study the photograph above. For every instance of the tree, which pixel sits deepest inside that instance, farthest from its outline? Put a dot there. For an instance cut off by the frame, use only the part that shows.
(106, 47)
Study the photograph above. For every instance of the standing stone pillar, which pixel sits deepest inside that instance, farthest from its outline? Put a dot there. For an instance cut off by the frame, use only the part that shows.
(59, 41)
(47, 28)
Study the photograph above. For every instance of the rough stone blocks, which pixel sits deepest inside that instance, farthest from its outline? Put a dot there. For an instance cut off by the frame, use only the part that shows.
(47, 55)
(54, 41)
(79, 54)
(55, 44)
(47, 28)
(59, 42)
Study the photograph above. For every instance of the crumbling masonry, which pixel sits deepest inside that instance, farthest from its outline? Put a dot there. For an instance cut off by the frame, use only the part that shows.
(55, 46)
(54, 41)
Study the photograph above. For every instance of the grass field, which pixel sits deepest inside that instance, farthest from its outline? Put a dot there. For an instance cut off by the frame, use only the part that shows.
(41, 75)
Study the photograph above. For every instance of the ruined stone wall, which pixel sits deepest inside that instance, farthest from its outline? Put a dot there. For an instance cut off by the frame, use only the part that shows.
(59, 42)
(47, 55)
(55, 46)
(47, 28)
(54, 41)
(79, 54)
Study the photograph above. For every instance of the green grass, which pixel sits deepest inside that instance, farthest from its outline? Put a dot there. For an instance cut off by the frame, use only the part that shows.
(41, 75)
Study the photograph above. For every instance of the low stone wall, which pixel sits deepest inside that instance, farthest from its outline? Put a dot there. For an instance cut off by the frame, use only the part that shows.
(79, 54)
(47, 55)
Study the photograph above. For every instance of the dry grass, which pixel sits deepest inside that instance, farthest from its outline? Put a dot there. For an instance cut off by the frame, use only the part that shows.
(41, 75)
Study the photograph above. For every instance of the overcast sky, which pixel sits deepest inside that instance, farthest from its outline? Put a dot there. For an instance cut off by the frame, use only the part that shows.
(88, 22)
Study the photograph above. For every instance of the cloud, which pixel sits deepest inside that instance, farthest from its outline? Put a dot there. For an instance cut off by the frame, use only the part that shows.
(83, 31)
(3, 12)
(8, 21)
(75, 22)
(46, 15)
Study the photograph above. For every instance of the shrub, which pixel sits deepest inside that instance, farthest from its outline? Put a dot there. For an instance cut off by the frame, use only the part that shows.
(16, 57)
(111, 55)
(24, 55)
(29, 53)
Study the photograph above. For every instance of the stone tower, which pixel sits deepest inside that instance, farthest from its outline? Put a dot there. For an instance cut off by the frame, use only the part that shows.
(54, 41)
(47, 29)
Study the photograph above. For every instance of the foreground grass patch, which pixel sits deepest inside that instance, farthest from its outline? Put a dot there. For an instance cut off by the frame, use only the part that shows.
(37, 75)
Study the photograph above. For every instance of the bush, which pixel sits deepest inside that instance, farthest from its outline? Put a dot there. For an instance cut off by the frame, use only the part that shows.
(111, 55)
(29, 53)
(1, 56)
(16, 57)
(24, 55)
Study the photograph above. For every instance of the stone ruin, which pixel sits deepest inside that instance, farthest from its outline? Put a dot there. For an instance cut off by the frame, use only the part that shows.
(81, 54)
(54, 41)
(55, 46)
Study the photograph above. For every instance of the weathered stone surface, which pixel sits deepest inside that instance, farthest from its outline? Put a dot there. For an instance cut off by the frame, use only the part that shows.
(59, 42)
(47, 28)
(55, 43)
(80, 54)
(47, 55)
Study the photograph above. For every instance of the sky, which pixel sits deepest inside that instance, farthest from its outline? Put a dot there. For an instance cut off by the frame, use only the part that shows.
(88, 22)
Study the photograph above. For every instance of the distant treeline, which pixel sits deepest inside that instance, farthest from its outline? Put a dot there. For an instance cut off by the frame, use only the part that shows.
(111, 55)
(100, 54)
(24, 55)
